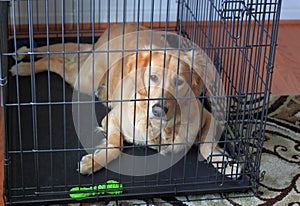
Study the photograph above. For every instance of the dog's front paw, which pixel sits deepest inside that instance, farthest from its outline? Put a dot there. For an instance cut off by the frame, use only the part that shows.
(20, 56)
(226, 165)
(100, 130)
(13, 70)
(85, 166)
(88, 165)
(233, 170)
(22, 68)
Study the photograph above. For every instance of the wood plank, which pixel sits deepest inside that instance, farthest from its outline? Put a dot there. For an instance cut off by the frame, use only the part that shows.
(286, 77)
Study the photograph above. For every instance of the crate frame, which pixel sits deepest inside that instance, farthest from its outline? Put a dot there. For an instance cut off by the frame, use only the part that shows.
(222, 25)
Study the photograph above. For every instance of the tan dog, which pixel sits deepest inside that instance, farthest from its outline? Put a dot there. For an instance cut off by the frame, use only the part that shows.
(164, 87)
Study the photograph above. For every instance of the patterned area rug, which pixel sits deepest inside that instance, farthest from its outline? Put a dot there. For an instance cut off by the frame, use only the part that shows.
(280, 161)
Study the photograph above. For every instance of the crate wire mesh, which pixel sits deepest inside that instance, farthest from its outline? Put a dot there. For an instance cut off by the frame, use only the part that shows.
(41, 145)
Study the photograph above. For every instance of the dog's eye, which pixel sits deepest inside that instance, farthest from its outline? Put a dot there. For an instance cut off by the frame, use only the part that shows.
(153, 78)
(178, 81)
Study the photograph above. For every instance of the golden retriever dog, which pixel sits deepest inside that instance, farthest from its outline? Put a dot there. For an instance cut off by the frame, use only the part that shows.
(158, 107)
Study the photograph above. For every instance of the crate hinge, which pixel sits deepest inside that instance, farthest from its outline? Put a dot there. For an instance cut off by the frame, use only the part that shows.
(3, 81)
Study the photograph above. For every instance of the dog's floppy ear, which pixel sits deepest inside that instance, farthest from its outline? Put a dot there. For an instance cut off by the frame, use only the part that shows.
(136, 65)
(205, 69)
(197, 83)
(196, 61)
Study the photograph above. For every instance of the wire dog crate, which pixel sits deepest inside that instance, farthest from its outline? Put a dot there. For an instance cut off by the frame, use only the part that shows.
(44, 144)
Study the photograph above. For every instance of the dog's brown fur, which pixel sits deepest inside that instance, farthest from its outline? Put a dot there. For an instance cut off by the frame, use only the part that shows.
(149, 129)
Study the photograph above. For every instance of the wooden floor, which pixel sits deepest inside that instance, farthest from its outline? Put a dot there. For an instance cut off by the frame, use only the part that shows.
(286, 77)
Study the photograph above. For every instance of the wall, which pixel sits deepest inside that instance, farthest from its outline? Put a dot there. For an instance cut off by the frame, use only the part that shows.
(290, 10)
(80, 11)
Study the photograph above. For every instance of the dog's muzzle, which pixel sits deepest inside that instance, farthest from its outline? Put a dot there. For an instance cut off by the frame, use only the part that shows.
(159, 110)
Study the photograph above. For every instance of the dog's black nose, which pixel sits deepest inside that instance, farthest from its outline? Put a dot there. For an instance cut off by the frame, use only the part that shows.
(159, 111)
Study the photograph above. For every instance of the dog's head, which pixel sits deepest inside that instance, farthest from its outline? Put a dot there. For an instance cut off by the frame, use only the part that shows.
(165, 79)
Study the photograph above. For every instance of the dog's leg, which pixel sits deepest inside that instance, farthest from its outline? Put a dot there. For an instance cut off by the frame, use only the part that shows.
(106, 152)
(40, 52)
(213, 153)
(55, 65)
(62, 64)
(24, 68)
